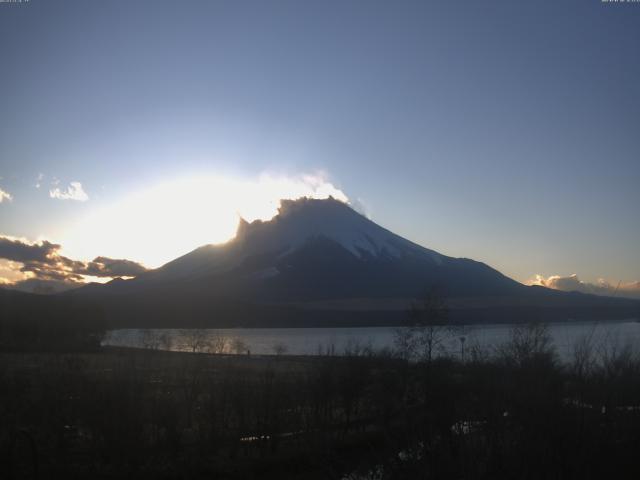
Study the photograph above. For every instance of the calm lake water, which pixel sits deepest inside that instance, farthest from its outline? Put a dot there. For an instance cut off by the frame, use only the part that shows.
(338, 341)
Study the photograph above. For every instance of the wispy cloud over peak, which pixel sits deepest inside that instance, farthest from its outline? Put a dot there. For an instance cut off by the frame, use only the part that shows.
(73, 192)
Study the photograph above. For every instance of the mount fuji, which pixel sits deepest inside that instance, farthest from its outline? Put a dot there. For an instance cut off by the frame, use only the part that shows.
(319, 262)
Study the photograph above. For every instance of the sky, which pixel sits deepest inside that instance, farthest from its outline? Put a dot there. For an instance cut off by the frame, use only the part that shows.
(502, 131)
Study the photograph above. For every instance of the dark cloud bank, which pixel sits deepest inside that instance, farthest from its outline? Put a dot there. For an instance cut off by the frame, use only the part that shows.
(54, 272)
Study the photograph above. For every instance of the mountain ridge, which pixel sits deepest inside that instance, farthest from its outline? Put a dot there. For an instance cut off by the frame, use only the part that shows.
(320, 263)
(319, 237)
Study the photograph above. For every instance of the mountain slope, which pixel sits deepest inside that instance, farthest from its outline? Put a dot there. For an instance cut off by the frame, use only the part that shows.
(312, 255)
(316, 249)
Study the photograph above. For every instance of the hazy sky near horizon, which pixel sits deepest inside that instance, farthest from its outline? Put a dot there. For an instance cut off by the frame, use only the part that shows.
(507, 132)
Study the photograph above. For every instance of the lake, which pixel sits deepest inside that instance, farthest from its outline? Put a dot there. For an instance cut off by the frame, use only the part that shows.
(338, 341)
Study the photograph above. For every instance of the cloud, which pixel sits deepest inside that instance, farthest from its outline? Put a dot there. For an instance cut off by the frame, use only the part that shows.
(11, 277)
(39, 180)
(572, 283)
(10, 272)
(112, 267)
(5, 196)
(19, 250)
(73, 192)
(39, 266)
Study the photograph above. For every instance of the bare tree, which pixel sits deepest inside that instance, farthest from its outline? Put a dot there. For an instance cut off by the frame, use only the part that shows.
(196, 339)
(583, 356)
(239, 346)
(528, 343)
(166, 341)
(217, 343)
(280, 349)
(428, 327)
(404, 341)
(151, 340)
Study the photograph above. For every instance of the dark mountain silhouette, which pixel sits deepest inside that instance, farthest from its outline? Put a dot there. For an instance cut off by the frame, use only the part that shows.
(318, 262)
(322, 249)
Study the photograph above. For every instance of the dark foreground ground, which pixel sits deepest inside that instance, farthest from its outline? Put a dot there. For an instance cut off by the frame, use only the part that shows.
(514, 414)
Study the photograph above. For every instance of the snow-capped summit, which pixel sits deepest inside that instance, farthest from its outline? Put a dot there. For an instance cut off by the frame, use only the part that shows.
(299, 221)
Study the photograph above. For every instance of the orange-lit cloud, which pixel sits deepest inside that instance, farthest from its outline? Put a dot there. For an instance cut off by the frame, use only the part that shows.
(39, 266)
(572, 283)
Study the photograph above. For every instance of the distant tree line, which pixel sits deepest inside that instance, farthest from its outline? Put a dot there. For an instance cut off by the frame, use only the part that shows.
(48, 323)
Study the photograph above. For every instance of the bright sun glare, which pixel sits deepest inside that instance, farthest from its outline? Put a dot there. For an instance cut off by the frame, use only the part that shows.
(165, 221)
